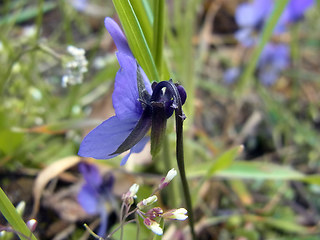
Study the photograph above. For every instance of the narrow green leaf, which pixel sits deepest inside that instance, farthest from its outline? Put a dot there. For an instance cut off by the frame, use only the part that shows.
(10, 141)
(144, 20)
(158, 33)
(260, 170)
(13, 218)
(222, 162)
(136, 38)
(225, 160)
(266, 35)
(27, 14)
(252, 170)
(281, 224)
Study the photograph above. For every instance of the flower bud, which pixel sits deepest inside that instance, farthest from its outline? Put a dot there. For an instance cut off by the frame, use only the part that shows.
(153, 226)
(154, 212)
(147, 202)
(165, 181)
(21, 207)
(176, 214)
(32, 224)
(131, 194)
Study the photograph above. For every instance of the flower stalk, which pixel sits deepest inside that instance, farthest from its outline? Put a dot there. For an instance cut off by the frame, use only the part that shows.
(180, 161)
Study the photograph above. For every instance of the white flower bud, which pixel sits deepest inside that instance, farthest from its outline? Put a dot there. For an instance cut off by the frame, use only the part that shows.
(21, 207)
(165, 181)
(32, 224)
(153, 226)
(147, 202)
(176, 214)
(131, 194)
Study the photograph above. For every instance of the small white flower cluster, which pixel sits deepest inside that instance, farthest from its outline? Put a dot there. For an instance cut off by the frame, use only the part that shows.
(76, 67)
(152, 215)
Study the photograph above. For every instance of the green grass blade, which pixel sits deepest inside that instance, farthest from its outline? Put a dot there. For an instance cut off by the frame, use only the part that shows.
(158, 34)
(143, 19)
(266, 35)
(146, 17)
(224, 161)
(13, 218)
(27, 14)
(136, 39)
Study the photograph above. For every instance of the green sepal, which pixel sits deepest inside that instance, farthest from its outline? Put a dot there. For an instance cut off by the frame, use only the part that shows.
(158, 129)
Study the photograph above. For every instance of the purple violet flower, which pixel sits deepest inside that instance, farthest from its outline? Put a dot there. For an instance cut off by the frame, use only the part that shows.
(273, 60)
(138, 107)
(295, 10)
(79, 5)
(252, 16)
(96, 193)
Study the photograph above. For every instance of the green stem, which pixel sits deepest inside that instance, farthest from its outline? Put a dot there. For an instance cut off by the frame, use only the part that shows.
(295, 55)
(158, 34)
(39, 20)
(167, 163)
(179, 115)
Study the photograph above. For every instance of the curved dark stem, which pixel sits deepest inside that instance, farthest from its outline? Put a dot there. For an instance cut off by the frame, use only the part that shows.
(180, 160)
(179, 115)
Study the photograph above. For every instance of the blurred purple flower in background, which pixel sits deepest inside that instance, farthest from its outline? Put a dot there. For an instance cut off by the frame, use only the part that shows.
(251, 17)
(231, 75)
(96, 196)
(79, 5)
(296, 9)
(273, 60)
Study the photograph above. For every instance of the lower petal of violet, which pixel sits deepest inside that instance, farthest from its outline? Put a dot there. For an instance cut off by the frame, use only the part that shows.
(136, 149)
(88, 199)
(106, 138)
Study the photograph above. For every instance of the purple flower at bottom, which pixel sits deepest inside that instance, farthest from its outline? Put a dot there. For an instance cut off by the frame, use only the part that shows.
(96, 194)
(138, 107)
(273, 60)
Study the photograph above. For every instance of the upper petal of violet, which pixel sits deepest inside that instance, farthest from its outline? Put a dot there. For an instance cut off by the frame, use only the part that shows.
(125, 97)
(106, 138)
(91, 174)
(117, 36)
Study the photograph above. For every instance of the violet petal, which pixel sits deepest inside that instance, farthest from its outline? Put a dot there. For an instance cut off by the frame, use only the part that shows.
(88, 199)
(106, 138)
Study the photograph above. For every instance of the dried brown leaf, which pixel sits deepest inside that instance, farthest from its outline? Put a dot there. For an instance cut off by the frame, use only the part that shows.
(49, 173)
